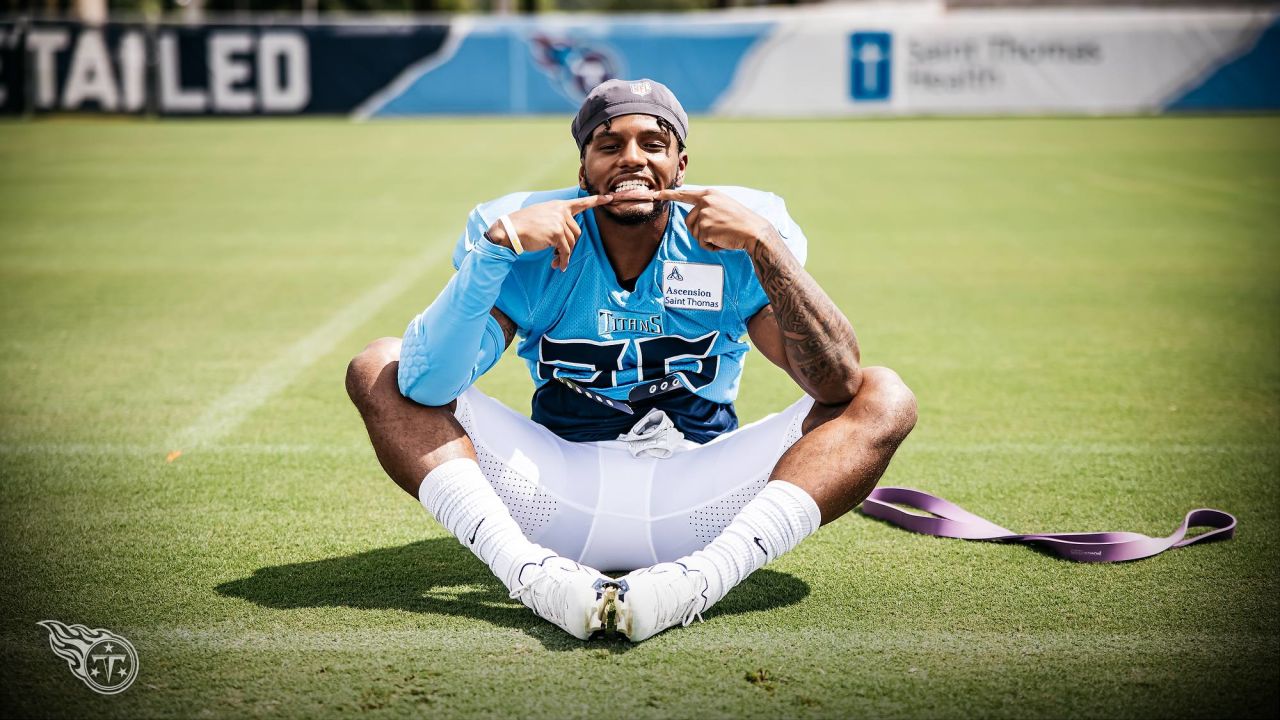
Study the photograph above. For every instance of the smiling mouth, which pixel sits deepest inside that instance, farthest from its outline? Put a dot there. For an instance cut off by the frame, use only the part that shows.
(630, 187)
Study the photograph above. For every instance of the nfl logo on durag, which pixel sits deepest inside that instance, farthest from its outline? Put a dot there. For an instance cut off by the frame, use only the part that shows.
(692, 286)
(641, 88)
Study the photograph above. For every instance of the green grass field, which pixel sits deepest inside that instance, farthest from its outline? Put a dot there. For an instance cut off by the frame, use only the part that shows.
(1088, 311)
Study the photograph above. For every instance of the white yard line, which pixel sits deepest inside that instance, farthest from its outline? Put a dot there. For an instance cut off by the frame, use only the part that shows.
(159, 452)
(1087, 448)
(922, 448)
(449, 633)
(1131, 183)
(226, 413)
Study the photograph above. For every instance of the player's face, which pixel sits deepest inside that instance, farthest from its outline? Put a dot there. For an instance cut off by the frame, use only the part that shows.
(632, 149)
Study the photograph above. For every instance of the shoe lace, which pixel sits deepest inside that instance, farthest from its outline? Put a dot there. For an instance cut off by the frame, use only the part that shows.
(530, 587)
(679, 600)
(545, 595)
(690, 617)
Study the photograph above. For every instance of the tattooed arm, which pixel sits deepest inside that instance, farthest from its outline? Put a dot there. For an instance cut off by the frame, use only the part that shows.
(819, 349)
(801, 330)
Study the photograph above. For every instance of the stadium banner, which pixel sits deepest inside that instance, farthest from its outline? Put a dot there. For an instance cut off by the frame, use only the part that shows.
(217, 69)
(837, 61)
(851, 61)
(1077, 61)
(548, 66)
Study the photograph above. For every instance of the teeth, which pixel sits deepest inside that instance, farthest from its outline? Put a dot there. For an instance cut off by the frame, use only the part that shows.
(626, 185)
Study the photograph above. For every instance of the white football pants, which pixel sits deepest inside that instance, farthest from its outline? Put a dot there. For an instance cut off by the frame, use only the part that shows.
(596, 503)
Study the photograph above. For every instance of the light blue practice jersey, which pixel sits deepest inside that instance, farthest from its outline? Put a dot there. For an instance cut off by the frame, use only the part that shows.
(682, 328)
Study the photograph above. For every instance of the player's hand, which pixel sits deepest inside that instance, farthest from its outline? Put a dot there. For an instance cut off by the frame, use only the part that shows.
(718, 221)
(548, 224)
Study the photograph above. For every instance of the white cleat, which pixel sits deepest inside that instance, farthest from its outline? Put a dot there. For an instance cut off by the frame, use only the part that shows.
(656, 598)
(573, 597)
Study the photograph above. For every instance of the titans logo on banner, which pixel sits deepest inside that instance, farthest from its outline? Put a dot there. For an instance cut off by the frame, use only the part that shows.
(575, 66)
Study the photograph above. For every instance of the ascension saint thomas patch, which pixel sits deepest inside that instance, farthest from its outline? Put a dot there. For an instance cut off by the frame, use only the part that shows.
(692, 286)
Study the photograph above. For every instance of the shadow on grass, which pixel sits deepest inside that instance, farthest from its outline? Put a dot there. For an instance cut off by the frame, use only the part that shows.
(441, 577)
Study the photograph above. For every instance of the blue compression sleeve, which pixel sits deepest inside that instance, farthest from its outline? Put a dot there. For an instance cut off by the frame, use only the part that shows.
(455, 340)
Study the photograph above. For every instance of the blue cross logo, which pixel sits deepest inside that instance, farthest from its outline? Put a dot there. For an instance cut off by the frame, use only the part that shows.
(870, 67)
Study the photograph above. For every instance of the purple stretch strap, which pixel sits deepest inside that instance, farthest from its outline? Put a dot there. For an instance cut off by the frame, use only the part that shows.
(954, 521)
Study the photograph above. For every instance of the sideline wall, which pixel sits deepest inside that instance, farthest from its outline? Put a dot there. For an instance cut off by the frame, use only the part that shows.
(830, 62)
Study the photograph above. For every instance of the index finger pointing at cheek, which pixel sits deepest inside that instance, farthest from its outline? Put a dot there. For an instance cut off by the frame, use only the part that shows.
(683, 195)
(586, 203)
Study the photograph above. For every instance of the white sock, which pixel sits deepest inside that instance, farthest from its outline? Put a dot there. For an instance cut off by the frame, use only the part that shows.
(774, 522)
(457, 494)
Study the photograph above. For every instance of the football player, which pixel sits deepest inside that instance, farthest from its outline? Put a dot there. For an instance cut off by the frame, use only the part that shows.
(632, 295)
